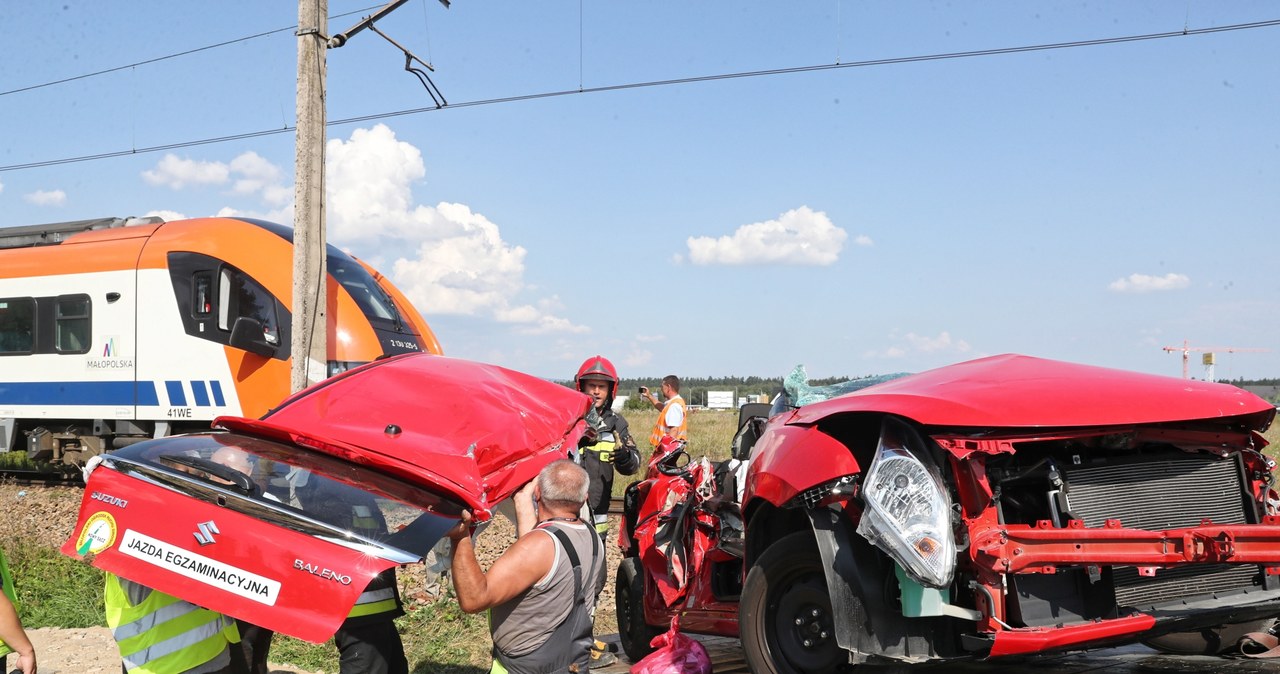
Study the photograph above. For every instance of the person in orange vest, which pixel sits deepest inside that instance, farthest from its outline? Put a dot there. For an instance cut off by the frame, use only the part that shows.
(673, 419)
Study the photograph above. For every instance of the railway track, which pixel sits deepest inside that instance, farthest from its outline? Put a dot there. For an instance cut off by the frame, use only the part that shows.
(37, 478)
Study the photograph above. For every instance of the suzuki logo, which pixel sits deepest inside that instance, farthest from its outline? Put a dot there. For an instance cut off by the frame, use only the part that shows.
(206, 531)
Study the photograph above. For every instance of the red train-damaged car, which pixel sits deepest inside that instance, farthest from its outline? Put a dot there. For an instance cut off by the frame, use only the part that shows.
(283, 521)
(1003, 506)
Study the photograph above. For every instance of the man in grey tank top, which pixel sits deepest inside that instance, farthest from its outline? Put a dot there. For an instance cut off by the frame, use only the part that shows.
(541, 592)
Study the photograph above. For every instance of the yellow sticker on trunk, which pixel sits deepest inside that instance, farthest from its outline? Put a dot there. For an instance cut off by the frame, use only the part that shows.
(99, 533)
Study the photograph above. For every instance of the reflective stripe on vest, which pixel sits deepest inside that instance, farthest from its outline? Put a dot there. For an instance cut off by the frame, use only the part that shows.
(163, 634)
(681, 432)
(374, 601)
(6, 586)
(605, 444)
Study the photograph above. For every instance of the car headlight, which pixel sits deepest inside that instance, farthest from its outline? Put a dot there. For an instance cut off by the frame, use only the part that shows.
(908, 510)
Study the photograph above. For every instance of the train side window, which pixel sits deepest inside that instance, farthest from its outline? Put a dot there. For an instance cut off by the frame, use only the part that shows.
(17, 325)
(72, 324)
(239, 295)
(202, 294)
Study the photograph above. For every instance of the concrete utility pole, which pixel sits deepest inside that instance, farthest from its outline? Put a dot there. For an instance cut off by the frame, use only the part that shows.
(309, 345)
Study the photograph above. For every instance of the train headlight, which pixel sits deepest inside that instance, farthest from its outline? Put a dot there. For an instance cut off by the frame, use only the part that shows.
(908, 510)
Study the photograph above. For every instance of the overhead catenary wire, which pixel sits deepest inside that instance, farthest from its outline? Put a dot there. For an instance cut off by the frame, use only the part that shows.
(900, 60)
(167, 57)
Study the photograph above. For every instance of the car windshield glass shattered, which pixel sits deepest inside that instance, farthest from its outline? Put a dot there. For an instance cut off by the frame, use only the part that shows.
(289, 486)
(799, 392)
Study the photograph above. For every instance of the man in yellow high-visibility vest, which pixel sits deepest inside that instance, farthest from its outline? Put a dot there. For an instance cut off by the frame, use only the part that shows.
(158, 633)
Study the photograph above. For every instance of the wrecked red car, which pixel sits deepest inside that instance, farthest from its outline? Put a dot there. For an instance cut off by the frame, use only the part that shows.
(1003, 506)
(284, 520)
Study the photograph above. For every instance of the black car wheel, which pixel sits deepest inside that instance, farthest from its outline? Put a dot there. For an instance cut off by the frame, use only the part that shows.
(634, 633)
(785, 615)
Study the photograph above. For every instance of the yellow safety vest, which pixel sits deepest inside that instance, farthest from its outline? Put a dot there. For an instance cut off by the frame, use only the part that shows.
(164, 634)
(679, 433)
(604, 446)
(6, 582)
(378, 597)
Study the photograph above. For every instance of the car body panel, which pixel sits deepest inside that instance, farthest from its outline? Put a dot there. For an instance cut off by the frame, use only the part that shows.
(142, 531)
(1016, 391)
(789, 459)
(501, 428)
(442, 434)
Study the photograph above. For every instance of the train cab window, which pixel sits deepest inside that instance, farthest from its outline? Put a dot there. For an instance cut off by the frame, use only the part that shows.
(17, 325)
(369, 296)
(202, 294)
(72, 323)
(241, 296)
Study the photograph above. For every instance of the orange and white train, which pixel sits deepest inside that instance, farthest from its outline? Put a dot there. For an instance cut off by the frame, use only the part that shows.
(118, 330)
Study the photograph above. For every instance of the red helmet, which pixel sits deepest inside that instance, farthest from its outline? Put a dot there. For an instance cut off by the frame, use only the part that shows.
(598, 368)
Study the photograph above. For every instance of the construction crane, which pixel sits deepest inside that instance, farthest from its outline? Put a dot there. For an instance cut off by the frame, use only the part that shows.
(1208, 355)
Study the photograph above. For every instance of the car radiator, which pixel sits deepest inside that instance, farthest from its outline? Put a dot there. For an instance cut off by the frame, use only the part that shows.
(1166, 492)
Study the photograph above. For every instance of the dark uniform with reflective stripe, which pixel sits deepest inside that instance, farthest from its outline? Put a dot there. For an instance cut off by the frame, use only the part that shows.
(612, 447)
(367, 641)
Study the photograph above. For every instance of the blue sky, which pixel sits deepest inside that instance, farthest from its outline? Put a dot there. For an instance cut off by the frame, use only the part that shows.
(1092, 204)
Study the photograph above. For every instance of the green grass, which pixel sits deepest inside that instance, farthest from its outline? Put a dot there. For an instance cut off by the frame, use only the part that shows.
(54, 590)
(710, 434)
(1273, 436)
(17, 460)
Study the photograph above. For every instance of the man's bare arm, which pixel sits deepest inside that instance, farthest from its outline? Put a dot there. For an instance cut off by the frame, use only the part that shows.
(522, 565)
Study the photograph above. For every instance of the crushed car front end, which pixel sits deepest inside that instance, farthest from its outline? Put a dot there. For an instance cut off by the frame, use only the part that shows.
(1008, 506)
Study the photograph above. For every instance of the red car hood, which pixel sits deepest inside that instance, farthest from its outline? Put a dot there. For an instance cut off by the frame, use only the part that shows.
(1011, 390)
(476, 431)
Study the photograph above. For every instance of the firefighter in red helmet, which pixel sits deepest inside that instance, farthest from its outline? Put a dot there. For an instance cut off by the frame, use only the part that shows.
(606, 446)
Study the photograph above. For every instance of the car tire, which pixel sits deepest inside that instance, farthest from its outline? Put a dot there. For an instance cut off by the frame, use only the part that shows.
(634, 633)
(785, 618)
(1208, 641)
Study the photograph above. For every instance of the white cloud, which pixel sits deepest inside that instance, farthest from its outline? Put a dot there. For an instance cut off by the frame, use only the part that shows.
(167, 216)
(176, 173)
(911, 343)
(1142, 283)
(1, 187)
(800, 236)
(447, 259)
(943, 342)
(863, 240)
(255, 175)
(248, 173)
(46, 197)
(637, 358)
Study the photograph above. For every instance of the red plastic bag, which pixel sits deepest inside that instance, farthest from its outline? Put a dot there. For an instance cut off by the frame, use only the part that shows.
(675, 654)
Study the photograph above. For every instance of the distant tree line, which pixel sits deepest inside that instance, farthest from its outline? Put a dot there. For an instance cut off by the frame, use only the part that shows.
(694, 389)
(1267, 388)
(1251, 382)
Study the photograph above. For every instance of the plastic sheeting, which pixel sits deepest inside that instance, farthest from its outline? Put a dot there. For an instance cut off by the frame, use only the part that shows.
(800, 393)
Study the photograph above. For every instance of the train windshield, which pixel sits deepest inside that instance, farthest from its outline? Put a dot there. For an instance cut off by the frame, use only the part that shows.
(370, 297)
